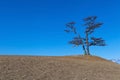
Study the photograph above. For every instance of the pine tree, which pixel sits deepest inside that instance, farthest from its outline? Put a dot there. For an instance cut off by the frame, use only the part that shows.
(86, 41)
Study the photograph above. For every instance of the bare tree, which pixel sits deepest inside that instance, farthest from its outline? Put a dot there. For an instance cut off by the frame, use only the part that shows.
(86, 41)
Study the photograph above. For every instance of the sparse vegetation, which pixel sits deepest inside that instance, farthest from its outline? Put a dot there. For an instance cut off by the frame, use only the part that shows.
(58, 68)
(87, 40)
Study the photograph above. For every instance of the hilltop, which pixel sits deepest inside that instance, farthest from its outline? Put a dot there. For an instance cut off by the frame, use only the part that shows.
(58, 68)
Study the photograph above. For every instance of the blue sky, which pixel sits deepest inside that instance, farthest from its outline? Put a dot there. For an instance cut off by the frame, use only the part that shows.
(36, 27)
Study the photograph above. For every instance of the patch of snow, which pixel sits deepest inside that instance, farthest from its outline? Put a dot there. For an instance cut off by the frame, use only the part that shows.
(116, 60)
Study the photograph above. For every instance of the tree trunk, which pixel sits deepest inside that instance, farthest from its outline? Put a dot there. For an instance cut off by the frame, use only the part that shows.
(88, 52)
(84, 49)
(87, 44)
(83, 46)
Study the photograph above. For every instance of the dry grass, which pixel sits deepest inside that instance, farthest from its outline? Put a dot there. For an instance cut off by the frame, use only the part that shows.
(58, 68)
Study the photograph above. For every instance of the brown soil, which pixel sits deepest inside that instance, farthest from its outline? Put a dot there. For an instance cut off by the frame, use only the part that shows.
(58, 68)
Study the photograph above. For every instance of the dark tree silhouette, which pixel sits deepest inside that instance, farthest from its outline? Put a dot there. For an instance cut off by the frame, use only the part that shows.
(86, 41)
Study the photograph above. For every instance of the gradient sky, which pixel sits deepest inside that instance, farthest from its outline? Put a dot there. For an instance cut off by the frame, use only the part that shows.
(36, 27)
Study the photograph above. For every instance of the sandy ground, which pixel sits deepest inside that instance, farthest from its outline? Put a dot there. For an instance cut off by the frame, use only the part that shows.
(57, 68)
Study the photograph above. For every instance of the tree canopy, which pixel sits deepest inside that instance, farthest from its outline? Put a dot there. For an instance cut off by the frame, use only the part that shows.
(86, 41)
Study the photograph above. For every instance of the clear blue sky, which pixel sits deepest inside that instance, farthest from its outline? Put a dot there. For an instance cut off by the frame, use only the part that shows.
(36, 27)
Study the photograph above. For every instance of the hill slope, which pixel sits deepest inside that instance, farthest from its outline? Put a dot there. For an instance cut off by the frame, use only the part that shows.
(57, 68)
